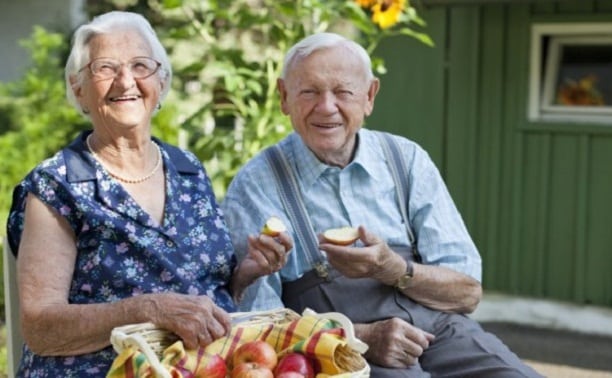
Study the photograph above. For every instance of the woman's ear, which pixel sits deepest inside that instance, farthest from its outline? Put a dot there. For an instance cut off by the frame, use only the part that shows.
(75, 85)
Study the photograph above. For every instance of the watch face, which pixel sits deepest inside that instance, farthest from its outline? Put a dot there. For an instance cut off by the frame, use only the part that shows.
(403, 281)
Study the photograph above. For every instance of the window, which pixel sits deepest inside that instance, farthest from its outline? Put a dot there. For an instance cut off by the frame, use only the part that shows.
(571, 73)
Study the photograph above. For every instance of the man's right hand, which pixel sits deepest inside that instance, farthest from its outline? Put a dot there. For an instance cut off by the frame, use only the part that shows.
(266, 254)
(393, 342)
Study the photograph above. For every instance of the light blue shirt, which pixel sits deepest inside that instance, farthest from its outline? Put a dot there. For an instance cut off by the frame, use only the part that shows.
(362, 193)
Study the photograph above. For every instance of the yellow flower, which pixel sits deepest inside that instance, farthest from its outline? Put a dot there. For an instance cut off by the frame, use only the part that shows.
(365, 3)
(386, 13)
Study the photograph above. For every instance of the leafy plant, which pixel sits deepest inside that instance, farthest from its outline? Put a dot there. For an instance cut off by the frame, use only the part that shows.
(36, 117)
(37, 120)
(227, 56)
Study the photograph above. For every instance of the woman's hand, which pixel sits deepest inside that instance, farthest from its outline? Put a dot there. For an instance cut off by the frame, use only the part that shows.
(195, 319)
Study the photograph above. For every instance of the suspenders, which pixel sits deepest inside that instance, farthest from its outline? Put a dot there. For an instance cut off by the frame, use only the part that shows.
(293, 202)
(399, 171)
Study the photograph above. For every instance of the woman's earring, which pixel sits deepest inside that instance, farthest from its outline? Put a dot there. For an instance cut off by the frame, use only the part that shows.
(158, 105)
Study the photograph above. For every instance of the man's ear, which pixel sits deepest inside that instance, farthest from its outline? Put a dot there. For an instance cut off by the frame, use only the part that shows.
(282, 92)
(372, 91)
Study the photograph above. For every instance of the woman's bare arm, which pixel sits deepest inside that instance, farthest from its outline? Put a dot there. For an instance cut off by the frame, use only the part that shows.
(53, 326)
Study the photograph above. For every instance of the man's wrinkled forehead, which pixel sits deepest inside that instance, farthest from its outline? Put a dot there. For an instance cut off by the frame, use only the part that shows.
(338, 54)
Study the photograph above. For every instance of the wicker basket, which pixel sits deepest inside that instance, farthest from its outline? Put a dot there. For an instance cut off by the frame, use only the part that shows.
(152, 341)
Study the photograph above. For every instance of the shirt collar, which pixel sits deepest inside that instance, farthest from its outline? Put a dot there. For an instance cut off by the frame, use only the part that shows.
(368, 156)
(80, 165)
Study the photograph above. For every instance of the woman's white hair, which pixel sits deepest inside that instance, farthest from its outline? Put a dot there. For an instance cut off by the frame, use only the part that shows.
(325, 40)
(109, 23)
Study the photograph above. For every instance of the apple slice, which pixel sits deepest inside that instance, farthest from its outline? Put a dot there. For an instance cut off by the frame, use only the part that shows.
(273, 227)
(341, 236)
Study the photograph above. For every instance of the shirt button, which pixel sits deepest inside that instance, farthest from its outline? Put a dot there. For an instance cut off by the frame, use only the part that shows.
(169, 243)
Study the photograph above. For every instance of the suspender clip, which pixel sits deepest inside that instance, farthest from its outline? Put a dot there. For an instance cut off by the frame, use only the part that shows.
(321, 269)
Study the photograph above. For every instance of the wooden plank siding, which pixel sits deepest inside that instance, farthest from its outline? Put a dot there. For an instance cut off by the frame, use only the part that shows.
(535, 196)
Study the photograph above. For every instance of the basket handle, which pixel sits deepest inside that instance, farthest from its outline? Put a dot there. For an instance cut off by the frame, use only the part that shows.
(121, 340)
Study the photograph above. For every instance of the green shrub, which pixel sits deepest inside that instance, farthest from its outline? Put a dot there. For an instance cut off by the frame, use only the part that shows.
(37, 120)
(226, 57)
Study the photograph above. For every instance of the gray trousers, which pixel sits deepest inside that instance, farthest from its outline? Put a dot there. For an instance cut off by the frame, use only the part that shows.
(461, 347)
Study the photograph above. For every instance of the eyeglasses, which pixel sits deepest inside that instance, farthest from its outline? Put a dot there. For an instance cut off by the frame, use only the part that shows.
(141, 67)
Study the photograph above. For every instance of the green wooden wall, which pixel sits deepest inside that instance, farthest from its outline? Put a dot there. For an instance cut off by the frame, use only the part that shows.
(536, 197)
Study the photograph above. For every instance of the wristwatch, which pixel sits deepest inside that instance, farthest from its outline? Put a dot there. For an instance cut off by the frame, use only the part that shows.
(403, 282)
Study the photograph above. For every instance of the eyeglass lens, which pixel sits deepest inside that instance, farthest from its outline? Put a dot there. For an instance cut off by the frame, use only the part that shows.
(140, 67)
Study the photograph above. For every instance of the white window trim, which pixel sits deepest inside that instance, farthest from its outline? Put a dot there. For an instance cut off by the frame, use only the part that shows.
(539, 95)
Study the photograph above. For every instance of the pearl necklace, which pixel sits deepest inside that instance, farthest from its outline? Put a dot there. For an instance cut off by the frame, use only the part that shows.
(123, 179)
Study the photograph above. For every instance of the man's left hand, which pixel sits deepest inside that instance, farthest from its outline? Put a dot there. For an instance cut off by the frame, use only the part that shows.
(375, 260)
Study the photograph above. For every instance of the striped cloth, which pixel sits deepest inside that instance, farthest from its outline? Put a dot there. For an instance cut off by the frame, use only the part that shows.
(320, 339)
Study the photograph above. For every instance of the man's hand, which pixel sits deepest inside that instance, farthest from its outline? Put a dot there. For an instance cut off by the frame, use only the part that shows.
(393, 343)
(374, 260)
(265, 255)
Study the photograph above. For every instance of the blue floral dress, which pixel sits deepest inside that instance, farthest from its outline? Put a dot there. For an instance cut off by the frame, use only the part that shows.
(122, 251)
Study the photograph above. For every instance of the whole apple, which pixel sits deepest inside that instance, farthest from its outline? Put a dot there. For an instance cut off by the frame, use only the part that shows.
(295, 362)
(289, 374)
(214, 367)
(258, 351)
(251, 370)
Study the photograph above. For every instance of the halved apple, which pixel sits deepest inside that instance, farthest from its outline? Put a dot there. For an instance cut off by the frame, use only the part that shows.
(273, 227)
(341, 236)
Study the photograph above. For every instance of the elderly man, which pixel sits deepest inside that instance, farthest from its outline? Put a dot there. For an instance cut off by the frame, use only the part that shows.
(413, 272)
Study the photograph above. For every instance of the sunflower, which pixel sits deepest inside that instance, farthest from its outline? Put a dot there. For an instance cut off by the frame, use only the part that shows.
(386, 13)
(366, 4)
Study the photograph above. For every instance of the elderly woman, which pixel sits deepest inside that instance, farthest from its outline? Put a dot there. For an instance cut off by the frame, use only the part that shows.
(118, 227)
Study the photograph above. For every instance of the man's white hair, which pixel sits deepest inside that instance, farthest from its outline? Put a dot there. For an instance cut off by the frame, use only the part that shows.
(325, 40)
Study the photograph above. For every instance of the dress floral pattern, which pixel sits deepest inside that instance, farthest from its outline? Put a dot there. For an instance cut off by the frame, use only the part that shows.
(122, 251)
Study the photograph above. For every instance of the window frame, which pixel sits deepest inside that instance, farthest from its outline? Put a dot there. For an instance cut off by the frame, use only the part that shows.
(544, 68)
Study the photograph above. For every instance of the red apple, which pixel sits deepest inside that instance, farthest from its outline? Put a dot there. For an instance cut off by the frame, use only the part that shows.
(289, 374)
(296, 363)
(251, 370)
(214, 367)
(258, 351)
